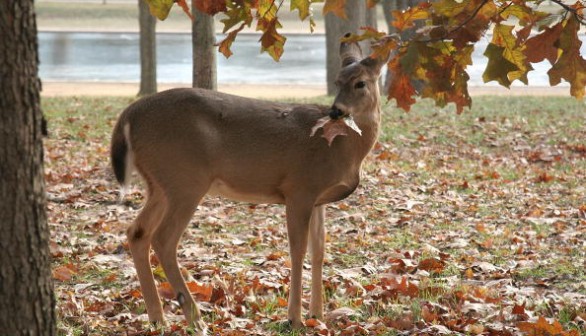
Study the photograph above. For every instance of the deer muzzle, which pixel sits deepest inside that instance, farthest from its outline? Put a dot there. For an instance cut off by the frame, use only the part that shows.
(336, 113)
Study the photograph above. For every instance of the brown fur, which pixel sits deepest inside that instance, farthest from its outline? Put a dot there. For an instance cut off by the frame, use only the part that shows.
(187, 143)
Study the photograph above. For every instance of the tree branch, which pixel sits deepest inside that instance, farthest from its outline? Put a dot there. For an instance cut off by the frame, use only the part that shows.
(460, 26)
(570, 9)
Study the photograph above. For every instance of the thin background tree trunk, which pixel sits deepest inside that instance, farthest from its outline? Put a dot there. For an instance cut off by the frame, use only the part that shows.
(27, 303)
(148, 50)
(204, 51)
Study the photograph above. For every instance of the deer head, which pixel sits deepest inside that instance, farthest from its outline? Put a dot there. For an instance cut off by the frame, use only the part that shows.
(357, 82)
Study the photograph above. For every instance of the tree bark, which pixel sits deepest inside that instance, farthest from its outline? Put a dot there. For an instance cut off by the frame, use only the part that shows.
(27, 304)
(204, 51)
(358, 16)
(148, 50)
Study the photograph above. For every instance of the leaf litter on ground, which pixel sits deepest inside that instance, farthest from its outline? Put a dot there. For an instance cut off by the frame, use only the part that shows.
(463, 224)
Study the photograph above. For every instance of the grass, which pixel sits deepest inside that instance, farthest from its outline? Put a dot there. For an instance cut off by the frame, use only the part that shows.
(467, 186)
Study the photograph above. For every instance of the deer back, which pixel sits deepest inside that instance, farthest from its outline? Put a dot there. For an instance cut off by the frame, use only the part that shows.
(250, 149)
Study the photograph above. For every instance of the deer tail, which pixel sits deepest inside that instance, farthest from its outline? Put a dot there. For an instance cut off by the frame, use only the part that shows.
(121, 154)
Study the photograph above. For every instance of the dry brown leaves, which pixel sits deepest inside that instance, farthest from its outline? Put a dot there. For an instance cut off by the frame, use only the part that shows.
(461, 226)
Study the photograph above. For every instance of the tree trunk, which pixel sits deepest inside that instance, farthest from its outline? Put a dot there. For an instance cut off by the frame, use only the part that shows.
(204, 51)
(148, 50)
(27, 304)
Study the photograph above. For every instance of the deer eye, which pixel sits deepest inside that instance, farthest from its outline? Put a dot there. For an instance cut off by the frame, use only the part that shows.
(360, 85)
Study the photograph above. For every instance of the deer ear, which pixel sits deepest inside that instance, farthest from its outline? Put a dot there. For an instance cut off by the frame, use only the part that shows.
(350, 52)
(375, 64)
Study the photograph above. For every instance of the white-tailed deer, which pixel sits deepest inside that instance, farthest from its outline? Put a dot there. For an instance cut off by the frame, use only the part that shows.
(187, 143)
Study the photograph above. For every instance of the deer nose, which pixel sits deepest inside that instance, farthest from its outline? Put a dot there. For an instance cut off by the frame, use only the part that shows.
(336, 113)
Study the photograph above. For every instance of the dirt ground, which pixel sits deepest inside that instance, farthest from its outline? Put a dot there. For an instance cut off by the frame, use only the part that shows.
(53, 89)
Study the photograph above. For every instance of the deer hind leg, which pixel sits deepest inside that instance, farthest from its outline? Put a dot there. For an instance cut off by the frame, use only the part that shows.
(139, 240)
(317, 248)
(298, 217)
(165, 242)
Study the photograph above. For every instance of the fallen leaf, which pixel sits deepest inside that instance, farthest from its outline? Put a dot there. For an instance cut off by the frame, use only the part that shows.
(63, 273)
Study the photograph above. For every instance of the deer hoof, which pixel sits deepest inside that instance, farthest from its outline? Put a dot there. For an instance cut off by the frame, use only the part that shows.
(200, 328)
(294, 324)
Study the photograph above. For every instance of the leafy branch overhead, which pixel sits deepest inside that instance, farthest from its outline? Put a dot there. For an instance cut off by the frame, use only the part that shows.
(433, 62)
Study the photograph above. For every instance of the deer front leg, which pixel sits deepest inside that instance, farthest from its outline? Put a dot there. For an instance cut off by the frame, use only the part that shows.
(317, 248)
(298, 216)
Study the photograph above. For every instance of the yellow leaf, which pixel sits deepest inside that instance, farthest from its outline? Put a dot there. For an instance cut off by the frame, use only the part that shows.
(503, 37)
(158, 271)
(450, 8)
(160, 8)
(498, 67)
(302, 6)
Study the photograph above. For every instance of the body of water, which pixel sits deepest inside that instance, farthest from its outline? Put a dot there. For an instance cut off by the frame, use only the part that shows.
(114, 57)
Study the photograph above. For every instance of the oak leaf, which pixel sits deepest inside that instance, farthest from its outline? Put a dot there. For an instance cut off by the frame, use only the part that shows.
(519, 10)
(210, 7)
(570, 66)
(503, 37)
(543, 46)
(498, 67)
(203, 292)
(331, 128)
(403, 91)
(449, 7)
(235, 15)
(267, 9)
(432, 265)
(404, 19)
(225, 45)
(543, 328)
(519, 309)
(337, 7)
(160, 8)
(185, 7)
(463, 29)
(64, 273)
(368, 33)
(334, 127)
(271, 40)
(302, 6)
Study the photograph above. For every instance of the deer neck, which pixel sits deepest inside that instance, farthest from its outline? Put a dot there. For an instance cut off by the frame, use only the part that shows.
(369, 124)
